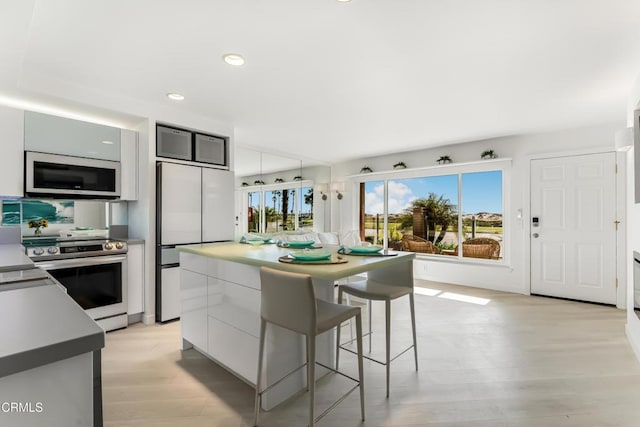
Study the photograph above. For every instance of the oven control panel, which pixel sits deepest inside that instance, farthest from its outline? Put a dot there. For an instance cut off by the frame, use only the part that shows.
(71, 249)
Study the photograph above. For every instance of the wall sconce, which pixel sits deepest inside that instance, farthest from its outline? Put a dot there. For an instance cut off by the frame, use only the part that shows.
(322, 189)
(338, 187)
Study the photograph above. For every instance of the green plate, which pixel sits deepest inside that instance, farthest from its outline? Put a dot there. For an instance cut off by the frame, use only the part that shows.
(255, 242)
(310, 255)
(302, 244)
(365, 249)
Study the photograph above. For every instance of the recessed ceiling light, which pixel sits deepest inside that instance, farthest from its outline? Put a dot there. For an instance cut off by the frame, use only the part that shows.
(108, 142)
(343, 1)
(175, 96)
(233, 59)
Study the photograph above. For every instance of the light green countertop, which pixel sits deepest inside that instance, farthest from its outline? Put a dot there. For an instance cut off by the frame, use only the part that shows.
(267, 255)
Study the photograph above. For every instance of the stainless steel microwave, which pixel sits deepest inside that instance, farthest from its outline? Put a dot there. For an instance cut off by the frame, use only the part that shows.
(57, 176)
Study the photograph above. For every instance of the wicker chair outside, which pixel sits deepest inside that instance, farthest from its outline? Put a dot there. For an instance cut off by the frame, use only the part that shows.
(481, 247)
(417, 244)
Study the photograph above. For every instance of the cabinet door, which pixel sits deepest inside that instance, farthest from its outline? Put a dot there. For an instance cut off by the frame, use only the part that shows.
(193, 315)
(218, 208)
(128, 165)
(170, 294)
(180, 205)
(59, 135)
(12, 159)
(135, 279)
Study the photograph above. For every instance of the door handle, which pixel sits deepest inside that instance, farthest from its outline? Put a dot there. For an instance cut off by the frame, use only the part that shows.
(536, 235)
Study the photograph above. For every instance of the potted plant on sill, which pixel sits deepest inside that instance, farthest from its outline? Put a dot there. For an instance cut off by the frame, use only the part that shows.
(443, 160)
(278, 180)
(258, 182)
(400, 165)
(488, 154)
(366, 169)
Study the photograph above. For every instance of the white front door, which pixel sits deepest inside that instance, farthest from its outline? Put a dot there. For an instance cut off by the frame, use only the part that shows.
(573, 227)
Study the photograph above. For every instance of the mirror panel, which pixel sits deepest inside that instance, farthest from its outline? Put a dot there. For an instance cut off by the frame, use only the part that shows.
(288, 196)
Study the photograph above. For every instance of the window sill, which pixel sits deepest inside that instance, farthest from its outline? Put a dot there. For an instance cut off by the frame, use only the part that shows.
(459, 260)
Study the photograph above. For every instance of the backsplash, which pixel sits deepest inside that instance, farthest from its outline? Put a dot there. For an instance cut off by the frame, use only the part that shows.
(60, 214)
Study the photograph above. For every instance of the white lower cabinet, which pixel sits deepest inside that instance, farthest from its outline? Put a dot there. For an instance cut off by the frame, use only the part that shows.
(193, 317)
(170, 304)
(241, 357)
(135, 278)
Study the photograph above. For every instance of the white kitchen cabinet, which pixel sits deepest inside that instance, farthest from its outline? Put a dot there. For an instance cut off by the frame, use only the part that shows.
(193, 318)
(128, 164)
(170, 293)
(218, 210)
(12, 159)
(135, 278)
(59, 135)
(180, 203)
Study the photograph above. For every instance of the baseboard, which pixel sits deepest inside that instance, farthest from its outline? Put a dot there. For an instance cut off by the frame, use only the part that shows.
(633, 335)
(135, 318)
(149, 319)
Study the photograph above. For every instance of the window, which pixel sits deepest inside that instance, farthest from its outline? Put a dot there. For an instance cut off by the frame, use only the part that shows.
(253, 211)
(438, 211)
(305, 214)
(372, 212)
(277, 208)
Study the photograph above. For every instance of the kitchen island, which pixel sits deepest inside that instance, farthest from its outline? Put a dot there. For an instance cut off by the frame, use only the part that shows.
(220, 299)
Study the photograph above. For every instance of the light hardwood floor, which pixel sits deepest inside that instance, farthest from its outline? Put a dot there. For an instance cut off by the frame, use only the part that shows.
(499, 359)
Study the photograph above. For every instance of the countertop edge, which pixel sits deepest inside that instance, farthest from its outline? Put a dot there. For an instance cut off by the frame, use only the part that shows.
(41, 356)
(199, 250)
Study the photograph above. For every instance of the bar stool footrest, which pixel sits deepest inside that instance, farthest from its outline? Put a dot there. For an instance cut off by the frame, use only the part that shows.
(376, 360)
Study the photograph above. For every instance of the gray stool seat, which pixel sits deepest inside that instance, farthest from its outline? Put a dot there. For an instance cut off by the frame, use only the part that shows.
(288, 300)
(372, 290)
(330, 315)
(369, 289)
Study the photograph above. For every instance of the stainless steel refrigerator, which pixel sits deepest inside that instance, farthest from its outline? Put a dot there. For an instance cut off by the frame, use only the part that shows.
(193, 205)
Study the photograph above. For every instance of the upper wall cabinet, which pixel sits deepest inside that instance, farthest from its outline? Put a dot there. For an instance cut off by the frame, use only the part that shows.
(59, 135)
(12, 159)
(129, 165)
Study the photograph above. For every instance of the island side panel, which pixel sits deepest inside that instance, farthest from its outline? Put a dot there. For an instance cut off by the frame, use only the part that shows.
(231, 324)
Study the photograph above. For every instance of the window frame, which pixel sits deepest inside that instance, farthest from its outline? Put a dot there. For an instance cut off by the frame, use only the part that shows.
(503, 165)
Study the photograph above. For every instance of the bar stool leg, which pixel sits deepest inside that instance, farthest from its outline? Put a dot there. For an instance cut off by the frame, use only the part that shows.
(413, 326)
(338, 332)
(311, 376)
(360, 370)
(370, 307)
(258, 399)
(388, 333)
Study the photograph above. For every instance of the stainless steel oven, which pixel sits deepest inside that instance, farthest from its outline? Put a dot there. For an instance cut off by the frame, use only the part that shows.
(97, 283)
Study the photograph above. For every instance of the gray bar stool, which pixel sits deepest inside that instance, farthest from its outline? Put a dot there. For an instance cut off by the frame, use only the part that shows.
(376, 291)
(288, 300)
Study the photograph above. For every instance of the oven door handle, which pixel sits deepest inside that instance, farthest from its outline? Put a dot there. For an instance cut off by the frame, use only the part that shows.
(80, 262)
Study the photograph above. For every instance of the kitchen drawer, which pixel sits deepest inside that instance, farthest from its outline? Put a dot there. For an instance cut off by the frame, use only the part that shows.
(241, 356)
(234, 305)
(242, 274)
(193, 262)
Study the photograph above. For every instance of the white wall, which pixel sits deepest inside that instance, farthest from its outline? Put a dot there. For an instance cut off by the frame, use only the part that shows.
(515, 276)
(633, 240)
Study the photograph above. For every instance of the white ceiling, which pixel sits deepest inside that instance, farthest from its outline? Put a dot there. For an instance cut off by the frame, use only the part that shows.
(332, 81)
